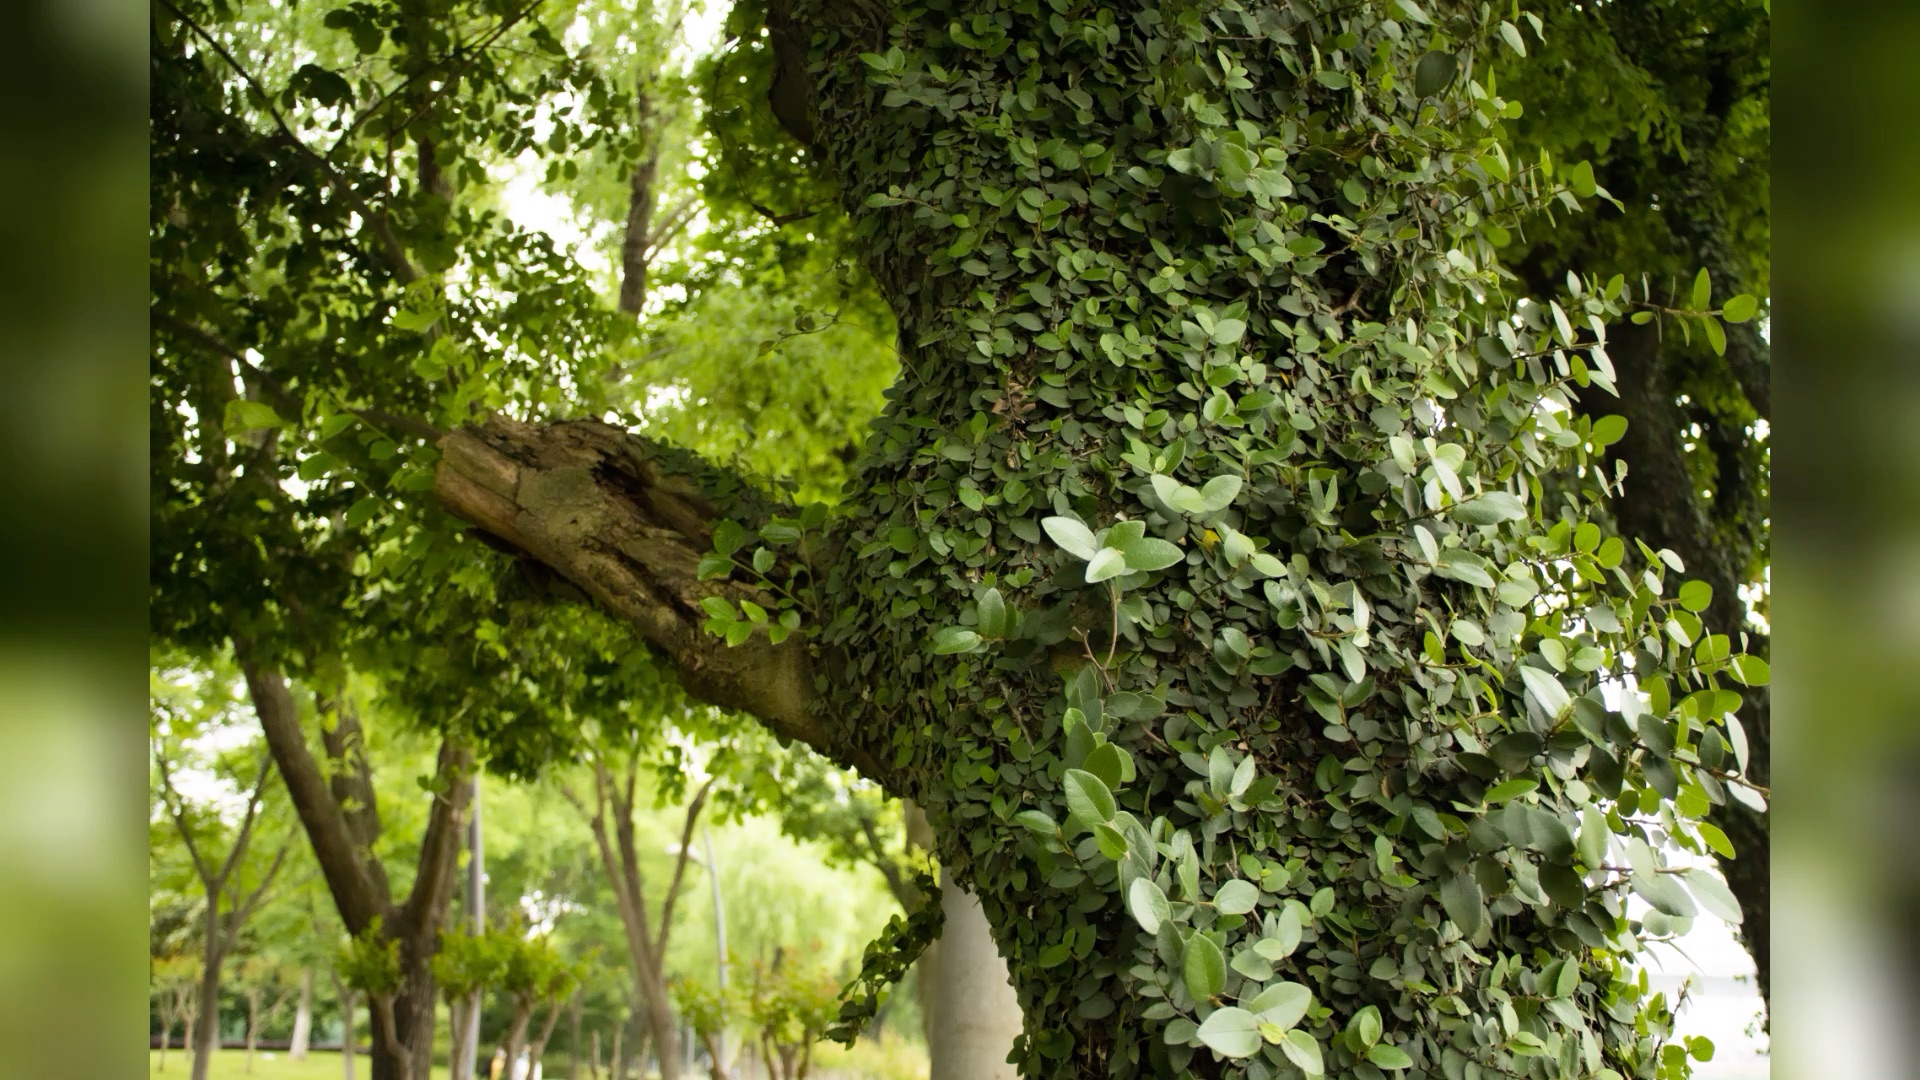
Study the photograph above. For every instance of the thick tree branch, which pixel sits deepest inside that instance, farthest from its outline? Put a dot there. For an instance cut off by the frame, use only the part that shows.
(627, 521)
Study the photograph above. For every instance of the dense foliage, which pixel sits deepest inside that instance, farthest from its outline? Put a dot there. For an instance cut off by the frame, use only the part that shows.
(1284, 720)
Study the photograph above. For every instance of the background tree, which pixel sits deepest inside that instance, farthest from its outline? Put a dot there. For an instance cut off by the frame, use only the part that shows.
(269, 985)
(218, 836)
(175, 987)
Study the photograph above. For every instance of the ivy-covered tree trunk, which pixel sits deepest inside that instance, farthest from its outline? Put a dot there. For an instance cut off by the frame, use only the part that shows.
(1192, 580)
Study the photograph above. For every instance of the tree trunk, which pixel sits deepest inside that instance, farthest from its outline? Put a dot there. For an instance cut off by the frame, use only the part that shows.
(342, 824)
(349, 1038)
(537, 1047)
(975, 1016)
(302, 1018)
(206, 1027)
(516, 1040)
(460, 1013)
(574, 1012)
(1076, 287)
(618, 1063)
(167, 1020)
(253, 1026)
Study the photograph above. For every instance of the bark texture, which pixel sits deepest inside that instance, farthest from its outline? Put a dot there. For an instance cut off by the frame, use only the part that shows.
(626, 521)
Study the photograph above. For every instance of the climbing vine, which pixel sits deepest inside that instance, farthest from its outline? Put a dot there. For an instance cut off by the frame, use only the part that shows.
(1224, 575)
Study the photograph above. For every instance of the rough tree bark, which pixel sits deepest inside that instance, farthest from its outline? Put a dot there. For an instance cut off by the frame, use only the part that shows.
(338, 810)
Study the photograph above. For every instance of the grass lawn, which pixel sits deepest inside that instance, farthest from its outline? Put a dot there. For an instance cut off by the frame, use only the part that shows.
(267, 1065)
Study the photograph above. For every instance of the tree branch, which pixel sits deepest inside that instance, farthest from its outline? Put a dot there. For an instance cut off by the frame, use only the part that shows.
(680, 862)
(440, 846)
(326, 825)
(628, 520)
(178, 811)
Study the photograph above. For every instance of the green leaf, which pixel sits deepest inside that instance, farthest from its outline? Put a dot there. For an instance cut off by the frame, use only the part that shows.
(1580, 179)
(1229, 331)
(243, 416)
(1107, 563)
(1304, 1051)
(1037, 821)
(1148, 904)
(954, 639)
(1490, 509)
(1664, 892)
(1389, 1057)
(1608, 429)
(1150, 553)
(1460, 896)
(1739, 309)
(1593, 837)
(1750, 670)
(1702, 291)
(1110, 840)
(1713, 894)
(1462, 565)
(1235, 163)
(1716, 335)
(993, 615)
(1286, 935)
(1231, 1032)
(1105, 763)
(1073, 537)
(1696, 595)
(1219, 492)
(1236, 897)
(1204, 967)
(1282, 1004)
(1511, 35)
(1088, 800)
(1508, 789)
(1546, 690)
(1366, 1026)
(1178, 496)
(1434, 71)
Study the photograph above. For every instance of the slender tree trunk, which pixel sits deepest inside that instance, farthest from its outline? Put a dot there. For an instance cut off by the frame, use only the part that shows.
(459, 1015)
(537, 1048)
(573, 1035)
(253, 1026)
(302, 1018)
(619, 1064)
(516, 1039)
(593, 1067)
(167, 1018)
(348, 1038)
(206, 1028)
(188, 1018)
